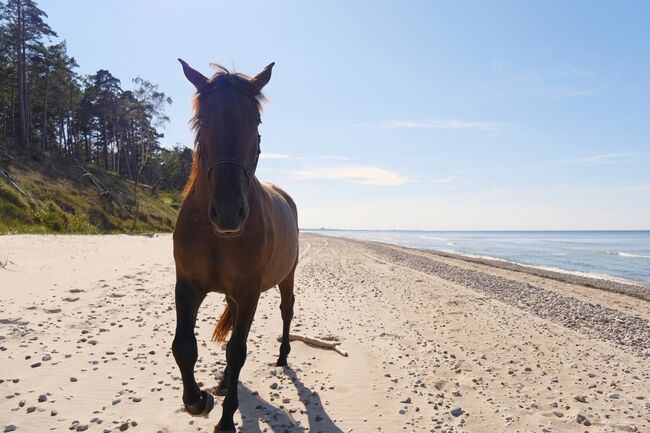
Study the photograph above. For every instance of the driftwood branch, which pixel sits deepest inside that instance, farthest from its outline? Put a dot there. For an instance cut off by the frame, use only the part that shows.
(317, 342)
(9, 179)
(103, 191)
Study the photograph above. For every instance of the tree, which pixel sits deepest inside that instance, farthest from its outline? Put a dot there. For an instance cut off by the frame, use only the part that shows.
(26, 27)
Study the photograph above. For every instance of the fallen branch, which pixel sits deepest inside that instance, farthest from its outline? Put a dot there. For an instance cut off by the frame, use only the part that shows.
(103, 191)
(9, 179)
(334, 345)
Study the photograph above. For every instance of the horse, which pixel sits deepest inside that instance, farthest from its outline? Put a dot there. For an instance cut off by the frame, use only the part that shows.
(234, 234)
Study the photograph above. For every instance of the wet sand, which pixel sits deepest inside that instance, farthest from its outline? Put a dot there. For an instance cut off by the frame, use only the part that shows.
(435, 342)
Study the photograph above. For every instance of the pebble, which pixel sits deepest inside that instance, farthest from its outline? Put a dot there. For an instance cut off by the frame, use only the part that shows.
(36, 364)
(82, 427)
(274, 385)
(613, 395)
(73, 379)
(580, 398)
(457, 411)
(42, 398)
(137, 399)
(10, 427)
(116, 401)
(124, 426)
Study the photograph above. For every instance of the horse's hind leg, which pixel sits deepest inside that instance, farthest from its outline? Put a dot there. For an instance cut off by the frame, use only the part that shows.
(286, 308)
(188, 300)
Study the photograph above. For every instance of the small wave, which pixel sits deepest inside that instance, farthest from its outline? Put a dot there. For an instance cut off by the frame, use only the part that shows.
(637, 256)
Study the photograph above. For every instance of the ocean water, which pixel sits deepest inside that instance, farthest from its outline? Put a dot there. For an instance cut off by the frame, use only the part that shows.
(618, 254)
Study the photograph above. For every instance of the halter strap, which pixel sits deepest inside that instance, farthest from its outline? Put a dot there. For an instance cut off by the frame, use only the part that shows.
(248, 170)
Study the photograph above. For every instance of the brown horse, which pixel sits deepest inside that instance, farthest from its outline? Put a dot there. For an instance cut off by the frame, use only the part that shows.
(234, 235)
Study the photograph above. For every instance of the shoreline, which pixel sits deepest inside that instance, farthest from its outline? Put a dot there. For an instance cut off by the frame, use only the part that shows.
(625, 286)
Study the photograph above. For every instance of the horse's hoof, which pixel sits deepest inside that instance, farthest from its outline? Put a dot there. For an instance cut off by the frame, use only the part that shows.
(201, 407)
(221, 389)
(227, 429)
(281, 362)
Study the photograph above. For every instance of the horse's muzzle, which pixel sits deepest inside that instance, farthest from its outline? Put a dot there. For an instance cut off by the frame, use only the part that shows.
(228, 219)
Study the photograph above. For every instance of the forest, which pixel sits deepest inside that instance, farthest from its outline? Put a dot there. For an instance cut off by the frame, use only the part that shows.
(48, 110)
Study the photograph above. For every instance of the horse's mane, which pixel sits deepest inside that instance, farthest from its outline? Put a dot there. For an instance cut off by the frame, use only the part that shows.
(222, 79)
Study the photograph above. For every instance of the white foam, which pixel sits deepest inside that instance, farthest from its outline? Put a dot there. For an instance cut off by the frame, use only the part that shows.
(639, 256)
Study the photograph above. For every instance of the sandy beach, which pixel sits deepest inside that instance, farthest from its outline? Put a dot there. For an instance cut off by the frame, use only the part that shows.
(436, 343)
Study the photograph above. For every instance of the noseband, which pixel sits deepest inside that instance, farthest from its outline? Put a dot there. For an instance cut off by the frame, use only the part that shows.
(249, 171)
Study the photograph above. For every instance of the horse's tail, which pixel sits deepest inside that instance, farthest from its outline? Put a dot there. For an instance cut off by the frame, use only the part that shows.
(223, 326)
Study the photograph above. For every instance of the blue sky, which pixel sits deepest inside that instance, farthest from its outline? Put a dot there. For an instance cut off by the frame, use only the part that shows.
(413, 115)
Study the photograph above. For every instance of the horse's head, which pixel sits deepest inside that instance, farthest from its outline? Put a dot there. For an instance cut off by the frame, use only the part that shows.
(227, 115)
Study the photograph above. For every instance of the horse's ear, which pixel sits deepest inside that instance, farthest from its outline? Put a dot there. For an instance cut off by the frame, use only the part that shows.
(193, 76)
(260, 80)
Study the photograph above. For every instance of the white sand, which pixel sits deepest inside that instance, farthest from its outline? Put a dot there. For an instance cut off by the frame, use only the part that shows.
(101, 309)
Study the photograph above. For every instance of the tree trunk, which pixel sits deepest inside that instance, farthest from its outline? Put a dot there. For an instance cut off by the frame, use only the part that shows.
(44, 122)
(22, 97)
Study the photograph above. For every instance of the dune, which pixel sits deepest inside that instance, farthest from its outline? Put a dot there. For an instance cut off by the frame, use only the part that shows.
(435, 342)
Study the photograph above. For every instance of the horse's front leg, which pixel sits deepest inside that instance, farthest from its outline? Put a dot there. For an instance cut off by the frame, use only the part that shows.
(188, 300)
(235, 358)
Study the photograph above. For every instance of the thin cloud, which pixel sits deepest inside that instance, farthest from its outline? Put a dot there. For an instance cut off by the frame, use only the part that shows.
(267, 155)
(603, 159)
(285, 156)
(572, 93)
(359, 174)
(441, 124)
(446, 179)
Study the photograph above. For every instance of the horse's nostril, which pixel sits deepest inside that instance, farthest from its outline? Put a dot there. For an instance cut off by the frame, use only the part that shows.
(213, 212)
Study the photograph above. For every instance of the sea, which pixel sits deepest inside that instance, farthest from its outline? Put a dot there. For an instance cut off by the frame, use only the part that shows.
(620, 255)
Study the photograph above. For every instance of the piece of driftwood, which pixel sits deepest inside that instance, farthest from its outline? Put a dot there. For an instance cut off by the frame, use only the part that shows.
(103, 191)
(9, 179)
(334, 345)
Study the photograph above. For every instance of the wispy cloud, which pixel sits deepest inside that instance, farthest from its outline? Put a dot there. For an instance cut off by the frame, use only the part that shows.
(603, 159)
(285, 156)
(572, 93)
(359, 174)
(441, 124)
(268, 155)
(446, 179)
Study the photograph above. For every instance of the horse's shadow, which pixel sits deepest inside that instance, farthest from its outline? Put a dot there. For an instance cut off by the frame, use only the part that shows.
(254, 408)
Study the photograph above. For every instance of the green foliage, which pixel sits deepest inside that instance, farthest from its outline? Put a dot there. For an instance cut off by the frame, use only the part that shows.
(62, 200)
(92, 119)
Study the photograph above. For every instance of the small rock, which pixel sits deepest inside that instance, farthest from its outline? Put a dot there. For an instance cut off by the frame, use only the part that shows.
(42, 398)
(613, 396)
(73, 379)
(580, 398)
(136, 398)
(116, 401)
(457, 411)
(10, 427)
(36, 364)
(31, 409)
(407, 400)
(82, 427)
(274, 385)
(124, 426)
(53, 412)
